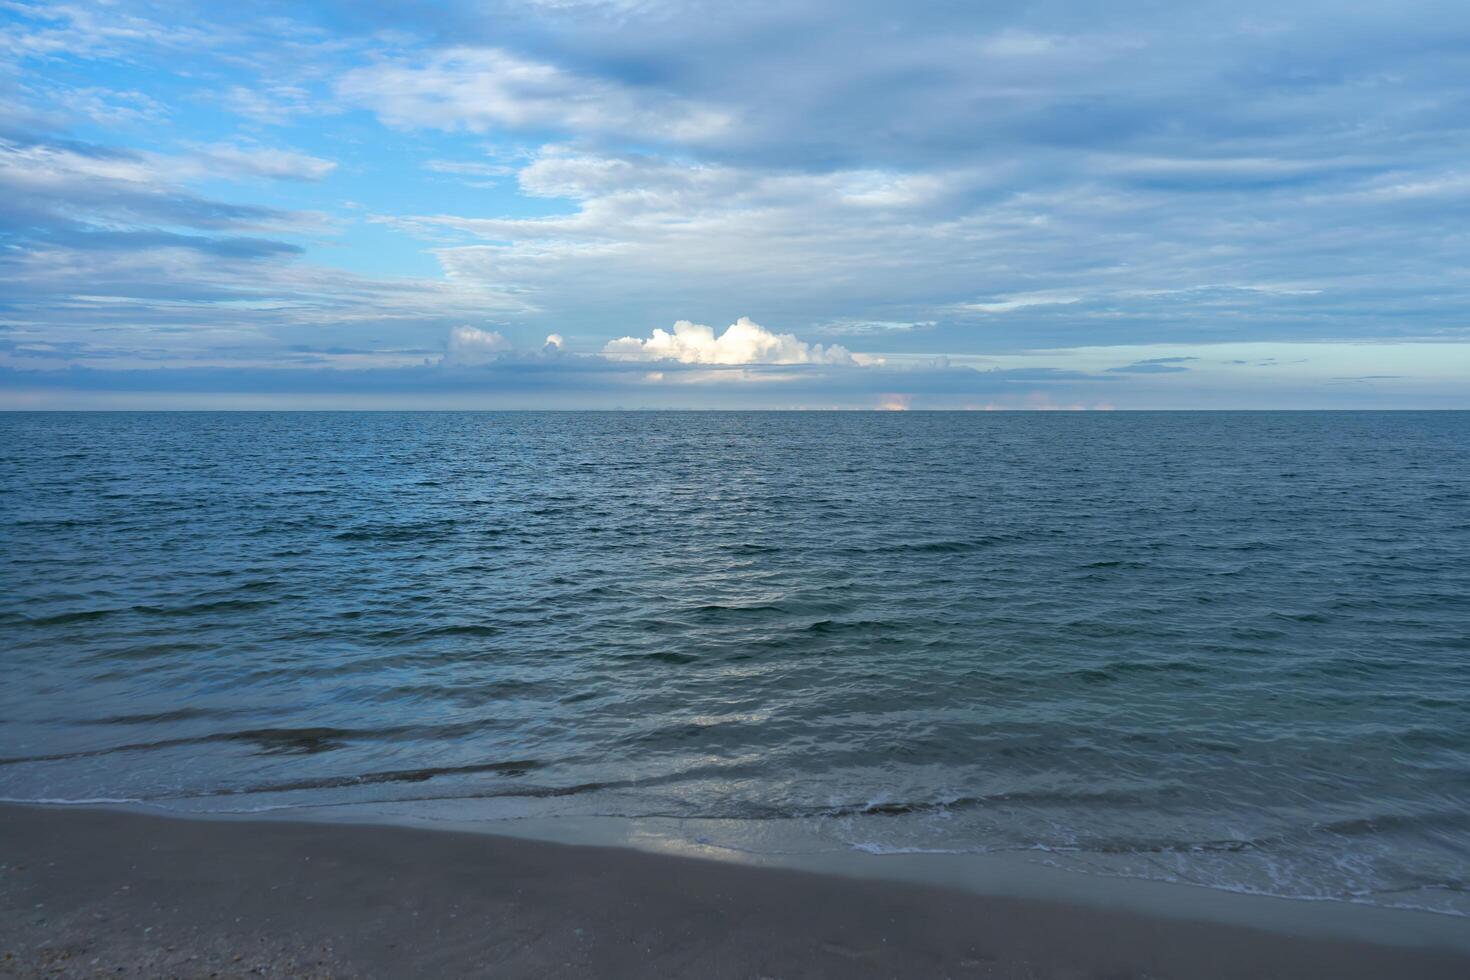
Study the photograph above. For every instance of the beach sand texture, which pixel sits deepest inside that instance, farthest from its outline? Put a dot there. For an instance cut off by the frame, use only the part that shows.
(88, 893)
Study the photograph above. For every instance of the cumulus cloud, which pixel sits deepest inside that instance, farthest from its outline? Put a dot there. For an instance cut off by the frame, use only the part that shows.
(471, 345)
(743, 342)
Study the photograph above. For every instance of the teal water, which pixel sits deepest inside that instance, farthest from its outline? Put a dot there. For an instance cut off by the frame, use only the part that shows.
(1231, 649)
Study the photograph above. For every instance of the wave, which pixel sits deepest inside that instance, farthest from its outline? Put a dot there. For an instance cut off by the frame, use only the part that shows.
(271, 741)
(660, 656)
(423, 530)
(516, 768)
(190, 609)
(952, 546)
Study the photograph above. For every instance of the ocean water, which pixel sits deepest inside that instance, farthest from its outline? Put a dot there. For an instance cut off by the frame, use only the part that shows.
(1226, 649)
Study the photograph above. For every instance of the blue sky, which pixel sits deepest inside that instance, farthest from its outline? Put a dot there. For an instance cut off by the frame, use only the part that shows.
(636, 203)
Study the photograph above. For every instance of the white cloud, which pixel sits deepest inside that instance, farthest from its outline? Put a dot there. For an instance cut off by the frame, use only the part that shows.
(469, 168)
(1020, 44)
(481, 89)
(38, 167)
(1219, 168)
(471, 345)
(1455, 184)
(111, 107)
(61, 167)
(271, 104)
(555, 341)
(817, 245)
(873, 328)
(231, 159)
(41, 30)
(1020, 301)
(743, 342)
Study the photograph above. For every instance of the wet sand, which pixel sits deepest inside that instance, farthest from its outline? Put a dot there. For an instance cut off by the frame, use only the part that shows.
(91, 893)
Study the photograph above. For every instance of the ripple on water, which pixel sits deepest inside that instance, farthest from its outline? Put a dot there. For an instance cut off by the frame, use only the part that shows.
(1219, 648)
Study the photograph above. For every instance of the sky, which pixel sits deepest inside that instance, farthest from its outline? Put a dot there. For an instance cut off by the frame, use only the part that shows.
(796, 204)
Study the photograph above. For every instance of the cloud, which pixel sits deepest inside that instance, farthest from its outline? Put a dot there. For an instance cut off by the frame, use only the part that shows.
(471, 345)
(273, 104)
(653, 237)
(710, 236)
(976, 181)
(102, 239)
(1020, 301)
(743, 342)
(871, 328)
(1154, 365)
(47, 30)
(501, 377)
(106, 106)
(41, 374)
(98, 184)
(483, 89)
(234, 160)
(470, 168)
(1018, 175)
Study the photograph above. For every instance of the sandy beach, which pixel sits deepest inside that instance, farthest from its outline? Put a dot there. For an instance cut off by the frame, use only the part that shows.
(88, 893)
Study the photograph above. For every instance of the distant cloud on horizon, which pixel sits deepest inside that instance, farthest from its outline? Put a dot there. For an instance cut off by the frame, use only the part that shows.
(743, 342)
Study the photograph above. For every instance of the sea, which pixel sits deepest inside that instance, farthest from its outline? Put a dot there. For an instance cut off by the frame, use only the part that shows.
(1224, 649)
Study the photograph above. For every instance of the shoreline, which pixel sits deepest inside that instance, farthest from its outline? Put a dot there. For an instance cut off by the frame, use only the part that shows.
(87, 891)
(790, 845)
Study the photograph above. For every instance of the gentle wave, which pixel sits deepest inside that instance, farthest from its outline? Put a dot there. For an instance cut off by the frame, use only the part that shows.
(1225, 649)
